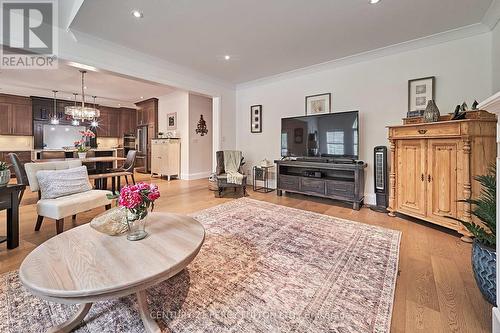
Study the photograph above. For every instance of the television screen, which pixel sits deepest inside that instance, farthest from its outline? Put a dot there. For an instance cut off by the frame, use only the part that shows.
(326, 135)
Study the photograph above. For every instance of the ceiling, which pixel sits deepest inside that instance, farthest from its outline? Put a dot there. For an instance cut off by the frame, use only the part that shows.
(266, 37)
(110, 89)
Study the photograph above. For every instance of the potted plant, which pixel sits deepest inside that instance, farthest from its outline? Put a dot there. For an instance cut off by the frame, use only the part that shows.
(81, 145)
(484, 245)
(4, 174)
(138, 199)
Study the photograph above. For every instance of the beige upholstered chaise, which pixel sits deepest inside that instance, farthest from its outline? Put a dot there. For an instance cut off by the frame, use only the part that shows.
(65, 206)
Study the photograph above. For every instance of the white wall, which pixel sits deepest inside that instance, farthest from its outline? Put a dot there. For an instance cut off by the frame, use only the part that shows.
(495, 36)
(377, 88)
(200, 147)
(178, 101)
(196, 150)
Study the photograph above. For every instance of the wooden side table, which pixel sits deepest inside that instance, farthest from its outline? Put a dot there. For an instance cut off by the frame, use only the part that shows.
(261, 173)
(9, 200)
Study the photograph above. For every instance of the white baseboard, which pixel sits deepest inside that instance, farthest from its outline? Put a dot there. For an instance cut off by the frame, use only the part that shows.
(193, 176)
(370, 199)
(495, 320)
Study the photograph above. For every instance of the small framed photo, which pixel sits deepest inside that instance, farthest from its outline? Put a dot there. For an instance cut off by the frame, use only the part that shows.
(172, 121)
(256, 119)
(318, 104)
(420, 92)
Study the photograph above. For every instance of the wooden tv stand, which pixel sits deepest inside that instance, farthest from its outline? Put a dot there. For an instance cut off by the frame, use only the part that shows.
(338, 181)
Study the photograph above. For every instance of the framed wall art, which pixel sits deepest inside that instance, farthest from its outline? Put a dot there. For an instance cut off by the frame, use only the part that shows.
(172, 121)
(318, 104)
(420, 92)
(256, 119)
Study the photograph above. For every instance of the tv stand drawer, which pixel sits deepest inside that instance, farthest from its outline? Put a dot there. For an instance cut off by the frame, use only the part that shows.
(312, 185)
(289, 182)
(340, 188)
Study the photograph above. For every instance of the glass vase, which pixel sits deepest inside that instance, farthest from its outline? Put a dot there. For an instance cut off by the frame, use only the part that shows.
(137, 225)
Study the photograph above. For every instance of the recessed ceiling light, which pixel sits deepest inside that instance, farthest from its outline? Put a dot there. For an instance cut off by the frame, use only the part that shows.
(85, 87)
(119, 104)
(374, 1)
(137, 14)
(142, 97)
(227, 57)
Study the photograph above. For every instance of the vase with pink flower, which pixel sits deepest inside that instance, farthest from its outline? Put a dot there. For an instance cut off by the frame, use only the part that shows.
(81, 145)
(139, 200)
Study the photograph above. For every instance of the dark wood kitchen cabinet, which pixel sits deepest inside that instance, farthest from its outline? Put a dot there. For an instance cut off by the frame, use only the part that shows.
(114, 122)
(15, 115)
(128, 121)
(147, 113)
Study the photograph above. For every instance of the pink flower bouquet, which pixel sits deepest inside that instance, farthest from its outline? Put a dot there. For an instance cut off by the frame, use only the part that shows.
(138, 198)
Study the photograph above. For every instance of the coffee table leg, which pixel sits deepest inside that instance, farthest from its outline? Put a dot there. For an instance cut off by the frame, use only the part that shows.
(72, 322)
(149, 323)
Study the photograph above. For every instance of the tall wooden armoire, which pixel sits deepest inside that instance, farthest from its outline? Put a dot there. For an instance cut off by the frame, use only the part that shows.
(433, 166)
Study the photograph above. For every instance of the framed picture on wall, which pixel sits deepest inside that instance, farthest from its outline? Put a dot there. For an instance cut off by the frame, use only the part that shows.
(318, 104)
(256, 119)
(420, 92)
(172, 121)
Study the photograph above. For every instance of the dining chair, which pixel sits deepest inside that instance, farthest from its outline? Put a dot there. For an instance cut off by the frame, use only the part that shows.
(21, 177)
(128, 166)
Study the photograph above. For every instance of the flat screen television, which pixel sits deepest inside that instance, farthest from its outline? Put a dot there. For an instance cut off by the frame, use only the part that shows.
(332, 135)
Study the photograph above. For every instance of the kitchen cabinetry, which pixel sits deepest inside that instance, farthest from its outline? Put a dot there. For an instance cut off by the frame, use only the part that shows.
(147, 112)
(147, 115)
(128, 121)
(433, 168)
(115, 122)
(15, 115)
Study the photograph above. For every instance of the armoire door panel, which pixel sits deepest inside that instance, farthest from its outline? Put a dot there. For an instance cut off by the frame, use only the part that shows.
(442, 157)
(411, 186)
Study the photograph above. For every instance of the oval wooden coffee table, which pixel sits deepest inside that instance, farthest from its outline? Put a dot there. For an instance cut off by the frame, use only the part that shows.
(81, 265)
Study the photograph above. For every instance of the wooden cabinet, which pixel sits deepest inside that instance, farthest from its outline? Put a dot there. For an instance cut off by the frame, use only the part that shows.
(128, 121)
(433, 167)
(115, 122)
(330, 180)
(166, 157)
(411, 170)
(147, 114)
(15, 115)
(5, 118)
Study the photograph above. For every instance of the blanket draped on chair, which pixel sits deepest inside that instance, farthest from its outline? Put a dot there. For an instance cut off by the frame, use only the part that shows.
(232, 160)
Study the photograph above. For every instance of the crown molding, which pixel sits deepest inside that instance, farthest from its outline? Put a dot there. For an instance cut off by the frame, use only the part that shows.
(492, 16)
(443, 37)
(491, 104)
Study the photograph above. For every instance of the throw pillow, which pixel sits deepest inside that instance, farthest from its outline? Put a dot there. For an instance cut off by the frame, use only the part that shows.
(58, 183)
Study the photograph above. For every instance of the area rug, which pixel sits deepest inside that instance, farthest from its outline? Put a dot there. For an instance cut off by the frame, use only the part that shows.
(263, 268)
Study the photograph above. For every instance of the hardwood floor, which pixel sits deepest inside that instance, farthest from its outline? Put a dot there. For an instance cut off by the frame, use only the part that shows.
(435, 290)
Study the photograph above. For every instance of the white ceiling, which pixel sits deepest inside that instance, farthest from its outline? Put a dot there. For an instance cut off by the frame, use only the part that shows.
(267, 37)
(110, 89)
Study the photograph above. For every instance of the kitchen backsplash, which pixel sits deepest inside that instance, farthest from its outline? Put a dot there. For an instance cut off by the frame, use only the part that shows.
(108, 142)
(16, 142)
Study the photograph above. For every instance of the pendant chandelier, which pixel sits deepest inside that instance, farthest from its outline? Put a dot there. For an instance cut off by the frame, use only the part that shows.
(82, 112)
(53, 119)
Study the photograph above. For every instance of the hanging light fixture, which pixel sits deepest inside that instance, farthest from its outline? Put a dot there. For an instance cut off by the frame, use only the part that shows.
(54, 120)
(74, 122)
(82, 112)
(94, 122)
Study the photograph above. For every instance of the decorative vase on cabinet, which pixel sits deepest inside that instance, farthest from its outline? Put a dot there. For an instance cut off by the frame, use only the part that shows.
(431, 113)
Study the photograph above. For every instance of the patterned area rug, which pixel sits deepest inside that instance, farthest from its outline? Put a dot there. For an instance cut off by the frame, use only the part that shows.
(263, 268)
